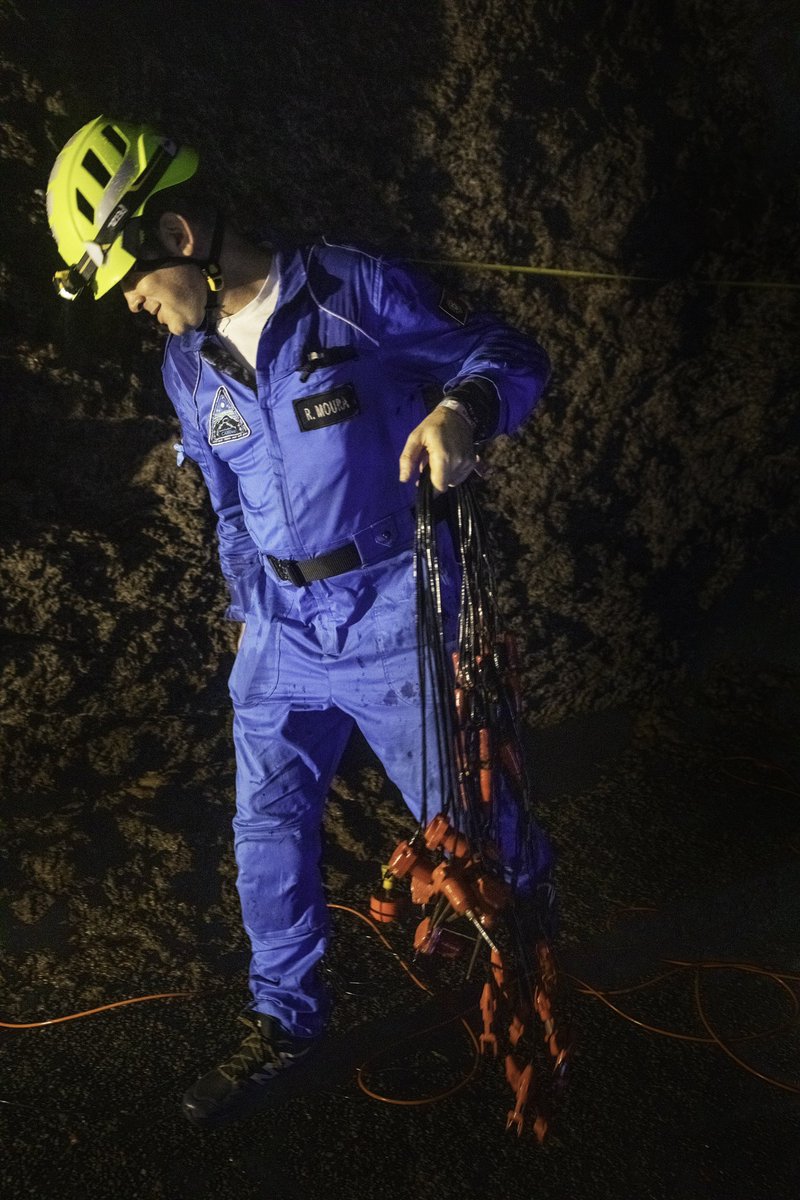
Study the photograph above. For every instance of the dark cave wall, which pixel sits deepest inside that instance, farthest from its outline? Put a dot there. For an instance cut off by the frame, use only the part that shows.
(654, 140)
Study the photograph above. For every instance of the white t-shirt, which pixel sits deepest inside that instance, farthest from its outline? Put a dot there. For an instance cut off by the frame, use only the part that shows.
(241, 332)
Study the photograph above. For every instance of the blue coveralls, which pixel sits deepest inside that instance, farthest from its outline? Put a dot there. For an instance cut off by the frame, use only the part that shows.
(297, 466)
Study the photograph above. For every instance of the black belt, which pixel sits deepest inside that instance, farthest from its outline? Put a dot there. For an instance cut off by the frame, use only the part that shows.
(346, 558)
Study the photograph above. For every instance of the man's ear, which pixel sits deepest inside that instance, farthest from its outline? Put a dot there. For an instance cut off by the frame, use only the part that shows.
(176, 234)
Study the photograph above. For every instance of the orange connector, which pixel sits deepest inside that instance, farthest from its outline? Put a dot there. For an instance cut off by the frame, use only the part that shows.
(485, 763)
(488, 1039)
(440, 835)
(520, 1079)
(384, 910)
(407, 861)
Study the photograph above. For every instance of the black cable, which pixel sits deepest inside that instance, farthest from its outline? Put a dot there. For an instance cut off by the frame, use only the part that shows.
(473, 710)
(435, 676)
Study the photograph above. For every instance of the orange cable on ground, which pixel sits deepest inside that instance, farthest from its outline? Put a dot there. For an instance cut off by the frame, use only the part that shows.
(713, 1038)
(782, 978)
(367, 921)
(587, 989)
(91, 1011)
(429, 1029)
(778, 1083)
(762, 765)
(462, 1083)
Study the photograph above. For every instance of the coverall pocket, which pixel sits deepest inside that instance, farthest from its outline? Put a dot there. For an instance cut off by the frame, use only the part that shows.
(255, 671)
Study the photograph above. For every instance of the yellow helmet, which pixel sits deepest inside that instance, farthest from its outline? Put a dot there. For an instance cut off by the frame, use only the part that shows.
(98, 188)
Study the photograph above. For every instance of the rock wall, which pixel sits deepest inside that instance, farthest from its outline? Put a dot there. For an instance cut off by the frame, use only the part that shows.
(656, 140)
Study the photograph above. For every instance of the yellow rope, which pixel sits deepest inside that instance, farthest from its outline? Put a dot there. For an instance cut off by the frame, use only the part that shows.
(521, 269)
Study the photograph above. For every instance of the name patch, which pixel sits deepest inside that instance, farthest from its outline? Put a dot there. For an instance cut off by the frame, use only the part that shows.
(326, 408)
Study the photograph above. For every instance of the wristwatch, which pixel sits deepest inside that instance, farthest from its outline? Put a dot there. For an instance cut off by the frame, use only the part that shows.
(477, 401)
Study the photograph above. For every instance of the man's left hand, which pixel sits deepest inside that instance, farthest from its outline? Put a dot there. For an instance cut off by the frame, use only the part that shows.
(443, 441)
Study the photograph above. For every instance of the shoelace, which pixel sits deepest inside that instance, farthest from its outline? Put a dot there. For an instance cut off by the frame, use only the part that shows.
(255, 1051)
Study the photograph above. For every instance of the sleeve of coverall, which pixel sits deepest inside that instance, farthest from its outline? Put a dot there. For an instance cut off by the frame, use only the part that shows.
(498, 371)
(237, 552)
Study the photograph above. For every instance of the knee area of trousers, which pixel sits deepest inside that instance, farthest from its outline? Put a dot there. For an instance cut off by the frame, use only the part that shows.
(274, 828)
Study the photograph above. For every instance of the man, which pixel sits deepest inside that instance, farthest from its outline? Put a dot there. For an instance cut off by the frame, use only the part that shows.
(303, 378)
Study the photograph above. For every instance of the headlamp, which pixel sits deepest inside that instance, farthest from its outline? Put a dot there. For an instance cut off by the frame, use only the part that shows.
(70, 283)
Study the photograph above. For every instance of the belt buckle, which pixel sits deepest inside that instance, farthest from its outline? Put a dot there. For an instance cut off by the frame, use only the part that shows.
(287, 570)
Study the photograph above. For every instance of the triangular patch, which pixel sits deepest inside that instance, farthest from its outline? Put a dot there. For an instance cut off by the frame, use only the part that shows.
(226, 423)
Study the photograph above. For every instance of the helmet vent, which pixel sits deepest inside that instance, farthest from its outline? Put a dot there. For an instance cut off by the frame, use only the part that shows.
(119, 143)
(84, 205)
(95, 168)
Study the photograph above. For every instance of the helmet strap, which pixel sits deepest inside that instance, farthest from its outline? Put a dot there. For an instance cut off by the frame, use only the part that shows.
(209, 266)
(211, 270)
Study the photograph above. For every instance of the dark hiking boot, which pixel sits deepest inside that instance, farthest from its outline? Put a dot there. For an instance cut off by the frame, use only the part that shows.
(236, 1087)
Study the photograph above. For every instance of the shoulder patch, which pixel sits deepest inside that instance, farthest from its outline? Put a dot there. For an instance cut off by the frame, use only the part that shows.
(225, 422)
(455, 308)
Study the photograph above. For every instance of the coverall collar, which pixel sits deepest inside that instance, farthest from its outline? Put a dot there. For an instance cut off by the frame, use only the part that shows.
(291, 271)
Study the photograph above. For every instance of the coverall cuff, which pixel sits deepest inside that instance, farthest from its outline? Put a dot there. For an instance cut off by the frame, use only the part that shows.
(479, 397)
(240, 587)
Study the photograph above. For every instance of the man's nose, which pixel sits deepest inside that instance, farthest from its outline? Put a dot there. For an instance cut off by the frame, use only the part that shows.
(133, 299)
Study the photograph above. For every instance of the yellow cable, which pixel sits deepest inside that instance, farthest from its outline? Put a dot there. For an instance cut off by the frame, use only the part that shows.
(615, 277)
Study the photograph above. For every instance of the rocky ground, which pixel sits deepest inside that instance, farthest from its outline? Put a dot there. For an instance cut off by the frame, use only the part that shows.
(645, 525)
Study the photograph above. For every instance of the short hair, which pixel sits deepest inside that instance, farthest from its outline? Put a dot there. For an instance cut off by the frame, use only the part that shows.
(190, 199)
